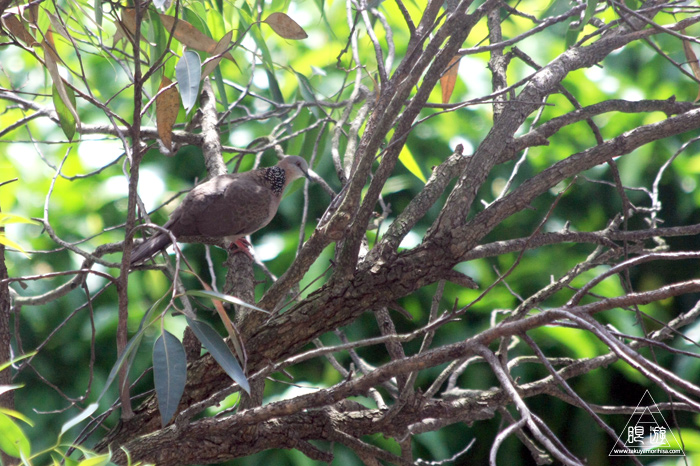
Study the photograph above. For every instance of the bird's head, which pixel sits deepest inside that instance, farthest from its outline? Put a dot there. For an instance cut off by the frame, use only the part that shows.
(294, 167)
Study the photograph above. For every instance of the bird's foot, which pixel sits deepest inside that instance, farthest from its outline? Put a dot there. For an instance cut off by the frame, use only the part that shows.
(241, 245)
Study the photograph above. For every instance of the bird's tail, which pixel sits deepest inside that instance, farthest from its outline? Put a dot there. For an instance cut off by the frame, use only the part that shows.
(149, 247)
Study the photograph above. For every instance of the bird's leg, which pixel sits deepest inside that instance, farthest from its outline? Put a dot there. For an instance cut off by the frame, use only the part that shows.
(241, 245)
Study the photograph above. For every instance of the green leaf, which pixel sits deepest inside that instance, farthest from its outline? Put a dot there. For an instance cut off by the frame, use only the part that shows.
(223, 297)
(17, 414)
(65, 116)
(307, 92)
(220, 351)
(130, 347)
(13, 218)
(169, 374)
(78, 419)
(573, 32)
(7, 364)
(8, 242)
(188, 71)
(408, 161)
(12, 439)
(98, 14)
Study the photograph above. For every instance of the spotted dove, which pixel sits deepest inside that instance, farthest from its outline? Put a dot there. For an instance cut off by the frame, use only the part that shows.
(227, 206)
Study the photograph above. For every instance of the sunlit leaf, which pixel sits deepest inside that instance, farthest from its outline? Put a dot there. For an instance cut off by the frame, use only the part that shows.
(5, 241)
(78, 419)
(13, 218)
(167, 108)
(12, 439)
(9, 388)
(169, 374)
(285, 27)
(220, 351)
(188, 71)
(408, 161)
(97, 460)
(17, 414)
(223, 297)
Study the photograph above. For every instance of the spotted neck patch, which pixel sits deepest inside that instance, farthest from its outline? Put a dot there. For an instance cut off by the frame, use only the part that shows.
(276, 177)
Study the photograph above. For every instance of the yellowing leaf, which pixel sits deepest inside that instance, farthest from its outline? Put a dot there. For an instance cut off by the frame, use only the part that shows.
(8, 242)
(285, 27)
(13, 218)
(448, 80)
(408, 161)
(167, 107)
(217, 54)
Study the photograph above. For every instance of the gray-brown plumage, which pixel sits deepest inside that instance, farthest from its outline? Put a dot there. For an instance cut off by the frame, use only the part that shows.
(228, 206)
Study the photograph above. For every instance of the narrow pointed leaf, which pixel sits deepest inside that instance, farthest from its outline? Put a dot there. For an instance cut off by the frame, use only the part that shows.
(13, 218)
(230, 329)
(96, 460)
(65, 117)
(220, 351)
(17, 415)
(307, 92)
(223, 297)
(169, 374)
(98, 14)
(449, 79)
(78, 419)
(5, 241)
(408, 161)
(50, 58)
(133, 344)
(9, 388)
(188, 71)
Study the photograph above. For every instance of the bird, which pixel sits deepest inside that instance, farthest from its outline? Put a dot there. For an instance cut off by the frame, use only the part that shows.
(229, 206)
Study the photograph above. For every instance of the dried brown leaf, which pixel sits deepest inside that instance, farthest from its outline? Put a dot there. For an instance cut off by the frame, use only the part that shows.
(285, 27)
(167, 108)
(184, 32)
(449, 79)
(217, 54)
(18, 29)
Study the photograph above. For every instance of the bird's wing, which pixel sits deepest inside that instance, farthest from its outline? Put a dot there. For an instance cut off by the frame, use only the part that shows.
(228, 205)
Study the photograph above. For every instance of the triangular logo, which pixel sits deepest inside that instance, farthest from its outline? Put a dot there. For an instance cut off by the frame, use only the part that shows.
(646, 433)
